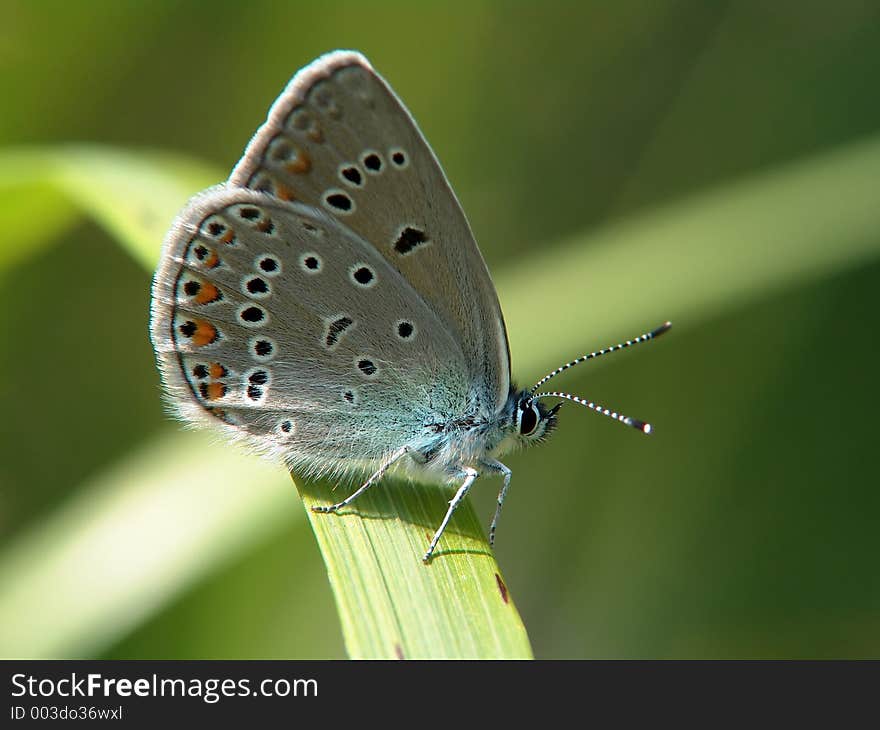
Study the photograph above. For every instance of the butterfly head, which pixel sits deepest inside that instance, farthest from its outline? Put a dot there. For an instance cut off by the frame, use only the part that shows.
(532, 421)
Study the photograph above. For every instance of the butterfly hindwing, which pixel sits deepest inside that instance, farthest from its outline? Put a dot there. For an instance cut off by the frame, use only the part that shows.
(274, 320)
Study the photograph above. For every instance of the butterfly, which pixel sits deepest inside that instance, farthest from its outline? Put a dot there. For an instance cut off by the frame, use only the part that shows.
(329, 307)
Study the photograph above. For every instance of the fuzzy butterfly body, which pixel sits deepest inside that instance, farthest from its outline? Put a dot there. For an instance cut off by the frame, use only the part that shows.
(329, 306)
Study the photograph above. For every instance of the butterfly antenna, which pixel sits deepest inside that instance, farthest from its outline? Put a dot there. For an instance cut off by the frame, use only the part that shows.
(642, 426)
(654, 333)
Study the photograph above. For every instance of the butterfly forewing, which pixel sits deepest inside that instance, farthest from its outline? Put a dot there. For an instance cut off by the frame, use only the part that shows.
(339, 139)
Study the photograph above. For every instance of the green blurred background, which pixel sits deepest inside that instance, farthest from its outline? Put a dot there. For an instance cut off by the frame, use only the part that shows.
(746, 527)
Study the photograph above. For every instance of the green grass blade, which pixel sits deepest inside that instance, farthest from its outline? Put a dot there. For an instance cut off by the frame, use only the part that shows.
(390, 603)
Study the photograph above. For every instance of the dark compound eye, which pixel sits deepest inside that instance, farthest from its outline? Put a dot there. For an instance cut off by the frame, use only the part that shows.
(528, 420)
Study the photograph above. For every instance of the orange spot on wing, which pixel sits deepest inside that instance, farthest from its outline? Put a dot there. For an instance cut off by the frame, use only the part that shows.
(216, 370)
(212, 261)
(265, 226)
(207, 293)
(228, 237)
(205, 333)
(300, 164)
(215, 391)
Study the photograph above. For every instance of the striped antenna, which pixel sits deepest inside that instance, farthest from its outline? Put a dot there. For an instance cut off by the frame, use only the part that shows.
(583, 358)
(642, 426)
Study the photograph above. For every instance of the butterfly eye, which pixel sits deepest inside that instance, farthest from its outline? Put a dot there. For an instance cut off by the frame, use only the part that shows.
(528, 419)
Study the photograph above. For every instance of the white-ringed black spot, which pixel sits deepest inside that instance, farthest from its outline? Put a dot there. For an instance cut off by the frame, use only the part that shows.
(258, 377)
(405, 329)
(268, 264)
(252, 315)
(200, 371)
(351, 175)
(349, 396)
(263, 348)
(250, 214)
(362, 275)
(286, 426)
(201, 252)
(310, 262)
(409, 239)
(257, 287)
(367, 367)
(399, 158)
(339, 201)
(191, 288)
(188, 328)
(254, 392)
(372, 162)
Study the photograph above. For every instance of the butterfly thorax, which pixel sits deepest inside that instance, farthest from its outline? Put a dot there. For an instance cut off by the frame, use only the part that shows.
(471, 440)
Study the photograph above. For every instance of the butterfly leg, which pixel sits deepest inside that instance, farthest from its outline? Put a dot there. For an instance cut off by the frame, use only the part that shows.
(385, 466)
(470, 475)
(506, 474)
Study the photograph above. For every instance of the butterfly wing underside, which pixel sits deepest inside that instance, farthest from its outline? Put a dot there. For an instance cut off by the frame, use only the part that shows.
(338, 138)
(275, 321)
(329, 303)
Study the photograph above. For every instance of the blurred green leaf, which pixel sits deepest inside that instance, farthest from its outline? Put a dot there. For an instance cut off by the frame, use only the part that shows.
(694, 259)
(133, 194)
(130, 540)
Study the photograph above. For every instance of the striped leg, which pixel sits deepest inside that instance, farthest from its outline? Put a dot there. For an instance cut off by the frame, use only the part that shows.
(469, 476)
(506, 474)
